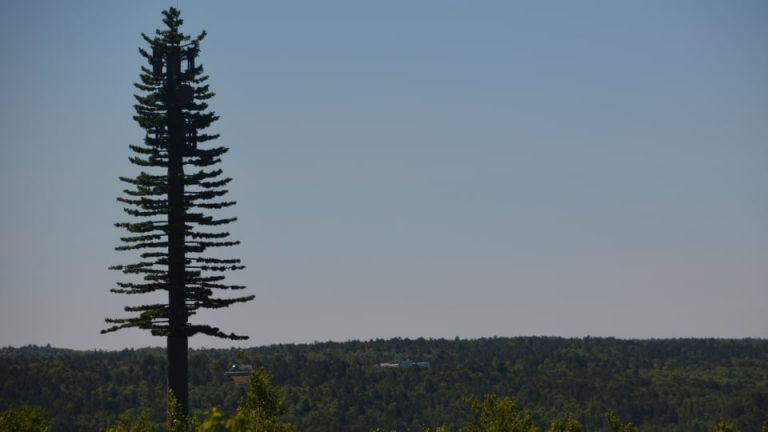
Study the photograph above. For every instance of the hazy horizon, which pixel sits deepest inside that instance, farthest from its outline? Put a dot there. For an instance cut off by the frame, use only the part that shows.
(321, 342)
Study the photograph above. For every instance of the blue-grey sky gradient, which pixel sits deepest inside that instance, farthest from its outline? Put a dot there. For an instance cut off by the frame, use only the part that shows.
(409, 168)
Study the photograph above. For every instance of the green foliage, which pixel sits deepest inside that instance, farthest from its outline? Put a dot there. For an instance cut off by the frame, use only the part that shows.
(214, 422)
(724, 426)
(260, 408)
(569, 425)
(494, 414)
(498, 415)
(24, 419)
(124, 424)
(616, 425)
(658, 385)
(176, 419)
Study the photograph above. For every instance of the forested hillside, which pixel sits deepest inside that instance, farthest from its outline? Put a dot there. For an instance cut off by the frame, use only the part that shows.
(660, 385)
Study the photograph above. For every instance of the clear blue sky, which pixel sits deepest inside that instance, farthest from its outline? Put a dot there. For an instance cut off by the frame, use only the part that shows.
(409, 168)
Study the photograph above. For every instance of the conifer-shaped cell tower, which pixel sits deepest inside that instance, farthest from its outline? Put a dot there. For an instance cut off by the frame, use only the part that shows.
(171, 199)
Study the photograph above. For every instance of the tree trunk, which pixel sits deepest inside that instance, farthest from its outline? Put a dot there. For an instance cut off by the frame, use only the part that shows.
(177, 339)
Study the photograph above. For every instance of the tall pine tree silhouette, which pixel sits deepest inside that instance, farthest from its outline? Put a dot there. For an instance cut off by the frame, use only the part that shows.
(170, 200)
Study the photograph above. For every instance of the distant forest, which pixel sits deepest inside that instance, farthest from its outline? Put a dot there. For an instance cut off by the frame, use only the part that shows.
(659, 385)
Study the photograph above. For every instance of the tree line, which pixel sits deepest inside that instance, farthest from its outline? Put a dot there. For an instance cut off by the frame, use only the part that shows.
(658, 385)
